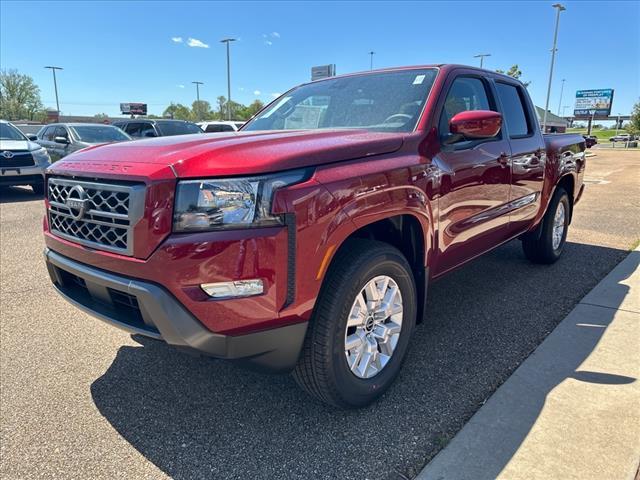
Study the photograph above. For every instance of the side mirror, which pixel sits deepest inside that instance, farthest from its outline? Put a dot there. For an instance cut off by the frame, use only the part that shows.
(62, 140)
(476, 124)
(32, 137)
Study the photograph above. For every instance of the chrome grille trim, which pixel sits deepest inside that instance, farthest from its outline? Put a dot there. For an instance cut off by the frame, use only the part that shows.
(107, 224)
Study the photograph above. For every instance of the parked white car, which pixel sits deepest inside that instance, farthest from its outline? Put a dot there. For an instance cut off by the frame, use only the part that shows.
(220, 126)
(22, 162)
(621, 137)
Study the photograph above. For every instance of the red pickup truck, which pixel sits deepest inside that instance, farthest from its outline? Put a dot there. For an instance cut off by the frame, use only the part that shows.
(305, 242)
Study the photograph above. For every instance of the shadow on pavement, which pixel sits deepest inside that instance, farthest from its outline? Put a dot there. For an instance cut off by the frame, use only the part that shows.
(18, 194)
(494, 436)
(196, 417)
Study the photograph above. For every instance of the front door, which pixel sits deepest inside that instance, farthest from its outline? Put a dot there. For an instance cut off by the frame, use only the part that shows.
(475, 180)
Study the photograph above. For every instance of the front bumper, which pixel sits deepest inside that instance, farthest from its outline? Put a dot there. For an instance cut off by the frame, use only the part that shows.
(145, 308)
(21, 176)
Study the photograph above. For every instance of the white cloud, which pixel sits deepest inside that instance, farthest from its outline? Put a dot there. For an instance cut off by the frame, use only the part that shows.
(276, 94)
(180, 86)
(194, 42)
(241, 89)
(268, 42)
(176, 39)
(275, 34)
(257, 92)
(264, 35)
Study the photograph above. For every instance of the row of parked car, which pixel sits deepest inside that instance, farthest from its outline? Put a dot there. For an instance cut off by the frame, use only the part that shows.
(24, 156)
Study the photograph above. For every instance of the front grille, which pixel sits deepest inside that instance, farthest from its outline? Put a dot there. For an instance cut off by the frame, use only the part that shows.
(99, 215)
(19, 159)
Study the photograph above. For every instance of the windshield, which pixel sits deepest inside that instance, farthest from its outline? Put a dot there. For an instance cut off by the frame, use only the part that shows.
(9, 132)
(100, 134)
(387, 102)
(177, 128)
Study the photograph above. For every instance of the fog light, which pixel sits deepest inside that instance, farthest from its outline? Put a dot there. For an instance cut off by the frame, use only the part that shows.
(240, 288)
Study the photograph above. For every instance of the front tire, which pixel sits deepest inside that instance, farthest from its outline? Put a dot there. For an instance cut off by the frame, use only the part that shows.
(547, 245)
(360, 330)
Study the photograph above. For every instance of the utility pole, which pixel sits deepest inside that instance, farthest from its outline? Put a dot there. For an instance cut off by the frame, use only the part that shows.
(618, 124)
(559, 9)
(481, 57)
(55, 86)
(228, 41)
(561, 90)
(372, 53)
(197, 84)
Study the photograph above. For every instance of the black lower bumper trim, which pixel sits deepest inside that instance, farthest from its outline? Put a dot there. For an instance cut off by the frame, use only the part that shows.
(156, 313)
(14, 180)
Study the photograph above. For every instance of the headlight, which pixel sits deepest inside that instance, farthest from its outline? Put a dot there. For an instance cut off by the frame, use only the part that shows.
(227, 203)
(41, 156)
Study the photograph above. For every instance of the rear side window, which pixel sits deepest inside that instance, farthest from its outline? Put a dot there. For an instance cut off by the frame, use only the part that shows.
(215, 128)
(466, 93)
(514, 110)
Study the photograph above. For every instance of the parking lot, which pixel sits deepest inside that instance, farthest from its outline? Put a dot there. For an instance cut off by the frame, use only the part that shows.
(80, 399)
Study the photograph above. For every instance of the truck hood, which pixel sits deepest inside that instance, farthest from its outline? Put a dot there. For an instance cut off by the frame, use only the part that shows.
(238, 153)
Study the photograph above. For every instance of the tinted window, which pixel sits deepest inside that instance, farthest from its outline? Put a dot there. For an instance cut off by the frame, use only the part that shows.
(177, 128)
(47, 133)
(100, 134)
(133, 129)
(513, 109)
(466, 93)
(61, 132)
(147, 130)
(389, 101)
(214, 128)
(9, 132)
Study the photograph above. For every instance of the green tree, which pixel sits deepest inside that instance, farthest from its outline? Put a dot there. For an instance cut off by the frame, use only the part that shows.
(177, 111)
(19, 96)
(251, 110)
(221, 102)
(201, 110)
(633, 127)
(101, 116)
(514, 72)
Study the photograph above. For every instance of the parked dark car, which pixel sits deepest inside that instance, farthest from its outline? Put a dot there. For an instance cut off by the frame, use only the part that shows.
(143, 128)
(61, 139)
(590, 140)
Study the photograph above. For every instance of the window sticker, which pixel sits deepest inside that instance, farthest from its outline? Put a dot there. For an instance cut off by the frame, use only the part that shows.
(419, 79)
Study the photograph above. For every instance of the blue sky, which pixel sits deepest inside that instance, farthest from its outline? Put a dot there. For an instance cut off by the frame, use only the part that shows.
(121, 51)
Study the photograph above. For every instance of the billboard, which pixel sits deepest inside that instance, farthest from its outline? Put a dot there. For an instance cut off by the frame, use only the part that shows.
(323, 71)
(596, 103)
(133, 108)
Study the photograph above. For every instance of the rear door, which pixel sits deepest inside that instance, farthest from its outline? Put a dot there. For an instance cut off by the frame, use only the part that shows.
(528, 155)
(475, 177)
(59, 150)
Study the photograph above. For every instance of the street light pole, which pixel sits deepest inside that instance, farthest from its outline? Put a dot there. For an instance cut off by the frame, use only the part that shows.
(372, 53)
(618, 124)
(559, 8)
(561, 90)
(481, 57)
(55, 86)
(228, 41)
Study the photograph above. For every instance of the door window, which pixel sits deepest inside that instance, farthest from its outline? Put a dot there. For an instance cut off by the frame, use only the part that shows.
(61, 132)
(133, 129)
(466, 93)
(147, 130)
(514, 110)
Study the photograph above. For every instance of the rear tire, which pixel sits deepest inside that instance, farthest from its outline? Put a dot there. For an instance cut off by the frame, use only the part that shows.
(351, 366)
(546, 245)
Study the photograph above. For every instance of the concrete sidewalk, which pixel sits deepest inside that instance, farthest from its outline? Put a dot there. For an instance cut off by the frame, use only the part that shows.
(572, 409)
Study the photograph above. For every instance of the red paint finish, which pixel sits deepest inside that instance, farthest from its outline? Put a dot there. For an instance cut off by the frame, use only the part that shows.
(476, 124)
(465, 199)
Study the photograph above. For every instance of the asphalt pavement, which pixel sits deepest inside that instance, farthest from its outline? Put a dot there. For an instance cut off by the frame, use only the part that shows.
(80, 399)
